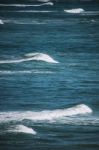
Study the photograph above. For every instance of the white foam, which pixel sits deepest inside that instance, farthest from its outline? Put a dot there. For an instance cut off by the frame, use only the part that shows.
(26, 5)
(76, 10)
(9, 72)
(1, 22)
(22, 129)
(46, 114)
(30, 57)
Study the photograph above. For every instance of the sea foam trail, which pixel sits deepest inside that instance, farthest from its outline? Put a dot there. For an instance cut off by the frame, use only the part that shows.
(30, 57)
(46, 114)
(28, 5)
(22, 129)
(76, 10)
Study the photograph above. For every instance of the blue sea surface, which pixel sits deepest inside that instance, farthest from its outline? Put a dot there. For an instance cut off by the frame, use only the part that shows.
(49, 75)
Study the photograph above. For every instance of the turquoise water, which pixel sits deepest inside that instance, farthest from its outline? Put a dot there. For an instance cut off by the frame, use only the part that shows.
(49, 76)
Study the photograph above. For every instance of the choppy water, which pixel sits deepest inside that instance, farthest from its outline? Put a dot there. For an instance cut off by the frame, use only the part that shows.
(49, 75)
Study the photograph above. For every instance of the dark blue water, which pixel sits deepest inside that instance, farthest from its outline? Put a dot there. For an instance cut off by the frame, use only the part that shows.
(49, 76)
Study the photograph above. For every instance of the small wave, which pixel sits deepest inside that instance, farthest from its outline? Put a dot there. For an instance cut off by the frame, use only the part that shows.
(45, 115)
(22, 129)
(30, 57)
(1, 22)
(28, 5)
(76, 10)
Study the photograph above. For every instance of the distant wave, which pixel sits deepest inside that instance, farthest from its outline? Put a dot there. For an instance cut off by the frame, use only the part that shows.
(45, 115)
(76, 10)
(22, 129)
(1, 22)
(26, 5)
(30, 57)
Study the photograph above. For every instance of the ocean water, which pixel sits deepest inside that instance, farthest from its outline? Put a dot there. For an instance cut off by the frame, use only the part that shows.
(49, 75)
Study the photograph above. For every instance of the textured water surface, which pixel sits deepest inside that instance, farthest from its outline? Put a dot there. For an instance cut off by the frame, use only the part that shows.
(49, 75)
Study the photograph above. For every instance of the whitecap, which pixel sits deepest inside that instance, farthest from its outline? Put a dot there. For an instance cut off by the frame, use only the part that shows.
(50, 115)
(1, 22)
(22, 129)
(76, 10)
(30, 57)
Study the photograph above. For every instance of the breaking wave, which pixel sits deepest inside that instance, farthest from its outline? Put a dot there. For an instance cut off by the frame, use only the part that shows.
(49, 115)
(30, 57)
(26, 5)
(76, 10)
(22, 129)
